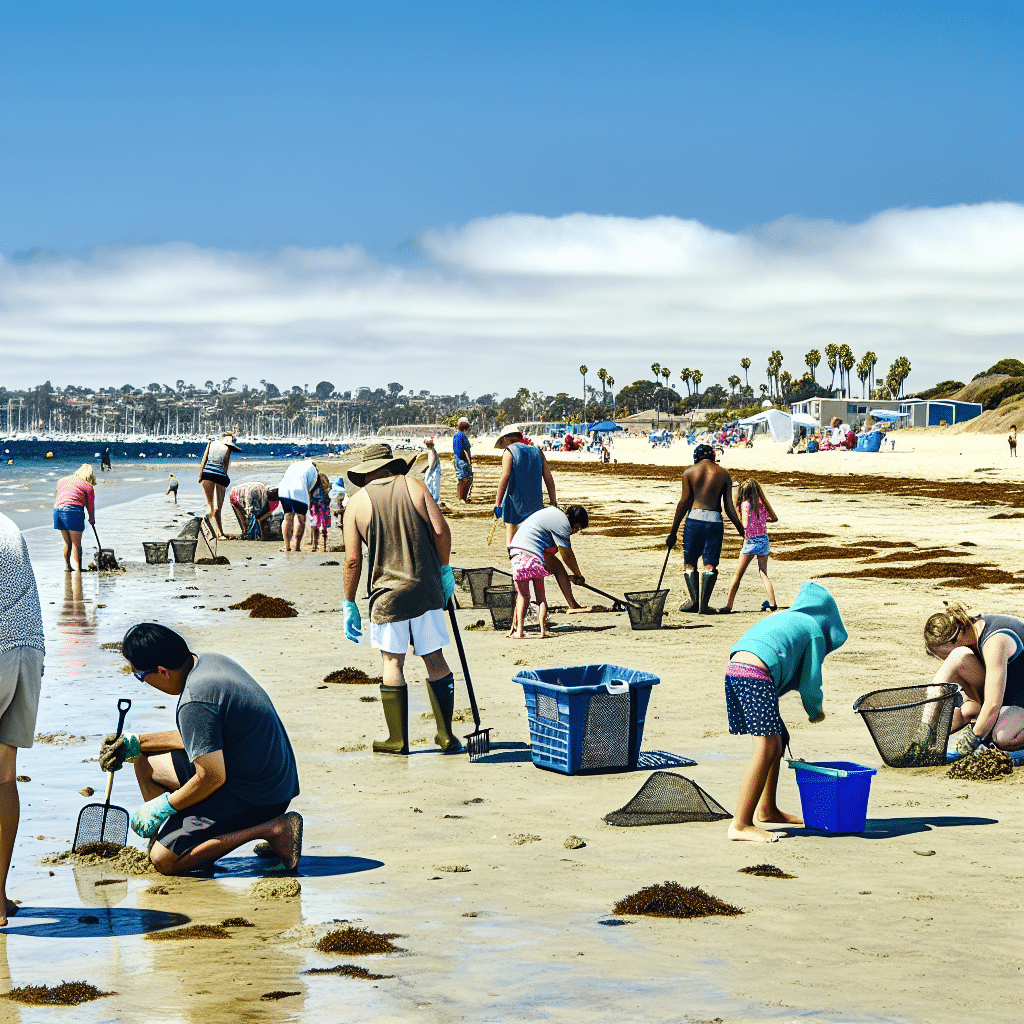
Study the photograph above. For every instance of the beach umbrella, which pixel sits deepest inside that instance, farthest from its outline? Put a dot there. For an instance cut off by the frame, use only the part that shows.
(605, 426)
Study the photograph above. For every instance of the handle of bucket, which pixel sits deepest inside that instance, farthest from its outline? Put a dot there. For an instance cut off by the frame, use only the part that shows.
(617, 686)
(833, 772)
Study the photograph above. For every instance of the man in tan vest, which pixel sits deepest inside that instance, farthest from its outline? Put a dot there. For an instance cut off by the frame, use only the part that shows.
(409, 584)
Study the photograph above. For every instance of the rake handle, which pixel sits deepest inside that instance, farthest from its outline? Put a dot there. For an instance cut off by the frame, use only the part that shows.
(465, 665)
(663, 568)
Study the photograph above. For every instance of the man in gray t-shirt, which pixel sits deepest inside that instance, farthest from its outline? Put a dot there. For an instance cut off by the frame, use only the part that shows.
(225, 776)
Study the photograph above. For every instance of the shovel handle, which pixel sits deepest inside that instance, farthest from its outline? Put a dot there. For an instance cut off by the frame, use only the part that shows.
(465, 665)
(97, 536)
(123, 706)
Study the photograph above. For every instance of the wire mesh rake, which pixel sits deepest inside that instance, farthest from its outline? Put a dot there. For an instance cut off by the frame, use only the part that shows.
(101, 823)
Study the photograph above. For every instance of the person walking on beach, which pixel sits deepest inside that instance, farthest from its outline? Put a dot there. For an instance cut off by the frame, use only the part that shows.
(224, 777)
(782, 652)
(755, 514)
(409, 583)
(105, 459)
(984, 656)
(1012, 439)
(524, 470)
(21, 672)
(463, 458)
(76, 495)
(705, 488)
(172, 487)
(432, 474)
(295, 493)
(213, 475)
(542, 538)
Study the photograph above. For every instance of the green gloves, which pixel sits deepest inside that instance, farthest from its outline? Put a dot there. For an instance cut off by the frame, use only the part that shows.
(447, 582)
(148, 817)
(115, 750)
(969, 741)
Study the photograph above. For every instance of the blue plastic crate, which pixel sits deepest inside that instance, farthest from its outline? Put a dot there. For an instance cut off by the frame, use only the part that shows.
(586, 718)
(833, 794)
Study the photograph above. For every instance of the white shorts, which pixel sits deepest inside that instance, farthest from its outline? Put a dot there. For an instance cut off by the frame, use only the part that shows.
(427, 633)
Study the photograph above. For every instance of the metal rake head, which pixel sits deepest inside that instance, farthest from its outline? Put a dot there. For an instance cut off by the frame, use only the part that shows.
(478, 744)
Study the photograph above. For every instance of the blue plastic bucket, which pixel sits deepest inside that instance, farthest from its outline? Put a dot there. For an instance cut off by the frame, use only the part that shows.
(833, 794)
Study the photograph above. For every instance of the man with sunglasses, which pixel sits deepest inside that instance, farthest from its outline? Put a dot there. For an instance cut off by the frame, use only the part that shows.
(224, 777)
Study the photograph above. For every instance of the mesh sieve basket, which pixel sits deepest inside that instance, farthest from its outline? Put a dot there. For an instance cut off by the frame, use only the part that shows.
(645, 608)
(667, 799)
(909, 724)
(184, 549)
(191, 528)
(156, 551)
(479, 580)
(501, 600)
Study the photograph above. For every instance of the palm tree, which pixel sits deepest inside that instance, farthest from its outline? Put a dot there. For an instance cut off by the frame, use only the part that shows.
(869, 361)
(774, 365)
(847, 361)
(696, 376)
(734, 383)
(764, 391)
(684, 375)
(602, 376)
(666, 373)
(583, 370)
(831, 355)
(656, 370)
(745, 364)
(812, 359)
(611, 387)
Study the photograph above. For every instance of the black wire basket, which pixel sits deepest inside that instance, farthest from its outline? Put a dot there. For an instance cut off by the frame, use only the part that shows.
(646, 608)
(910, 724)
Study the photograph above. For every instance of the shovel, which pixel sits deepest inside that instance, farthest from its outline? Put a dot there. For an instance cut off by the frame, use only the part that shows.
(101, 823)
(105, 556)
(478, 742)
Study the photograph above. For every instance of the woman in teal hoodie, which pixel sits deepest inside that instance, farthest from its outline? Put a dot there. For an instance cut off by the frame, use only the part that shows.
(782, 652)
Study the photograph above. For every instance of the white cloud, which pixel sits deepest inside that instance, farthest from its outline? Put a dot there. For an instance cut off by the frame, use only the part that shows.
(521, 301)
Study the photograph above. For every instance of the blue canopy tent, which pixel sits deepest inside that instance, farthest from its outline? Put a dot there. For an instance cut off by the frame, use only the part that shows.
(603, 427)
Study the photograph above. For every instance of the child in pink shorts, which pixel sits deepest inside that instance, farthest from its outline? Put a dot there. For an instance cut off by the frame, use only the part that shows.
(319, 518)
(527, 567)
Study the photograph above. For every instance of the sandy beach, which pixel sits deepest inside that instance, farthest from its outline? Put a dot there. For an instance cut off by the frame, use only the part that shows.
(906, 922)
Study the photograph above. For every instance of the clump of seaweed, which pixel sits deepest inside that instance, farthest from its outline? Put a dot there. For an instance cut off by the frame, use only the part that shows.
(989, 764)
(330, 562)
(522, 838)
(357, 942)
(452, 868)
(821, 553)
(349, 971)
(236, 922)
(674, 900)
(353, 676)
(369, 698)
(192, 931)
(108, 855)
(479, 624)
(67, 993)
(574, 843)
(263, 606)
(278, 994)
(216, 560)
(766, 871)
(250, 602)
(114, 645)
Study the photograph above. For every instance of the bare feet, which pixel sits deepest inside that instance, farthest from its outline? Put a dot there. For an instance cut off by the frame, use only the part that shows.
(264, 850)
(286, 839)
(11, 908)
(775, 816)
(752, 834)
(579, 609)
(513, 635)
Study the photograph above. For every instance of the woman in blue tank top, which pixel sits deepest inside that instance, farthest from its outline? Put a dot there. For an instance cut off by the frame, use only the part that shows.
(524, 474)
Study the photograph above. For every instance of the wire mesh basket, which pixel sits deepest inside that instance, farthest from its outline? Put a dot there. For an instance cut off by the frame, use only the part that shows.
(156, 551)
(646, 608)
(501, 600)
(667, 799)
(184, 549)
(479, 580)
(909, 724)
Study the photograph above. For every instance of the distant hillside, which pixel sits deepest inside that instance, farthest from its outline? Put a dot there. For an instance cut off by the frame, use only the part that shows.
(997, 421)
(975, 388)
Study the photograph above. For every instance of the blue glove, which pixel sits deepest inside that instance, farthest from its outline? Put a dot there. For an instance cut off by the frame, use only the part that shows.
(497, 511)
(353, 621)
(148, 817)
(447, 582)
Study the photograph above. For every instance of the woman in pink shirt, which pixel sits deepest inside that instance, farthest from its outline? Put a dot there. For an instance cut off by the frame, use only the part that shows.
(755, 513)
(75, 495)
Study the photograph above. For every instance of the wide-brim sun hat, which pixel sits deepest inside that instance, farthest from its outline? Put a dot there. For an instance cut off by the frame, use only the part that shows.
(510, 431)
(228, 439)
(377, 456)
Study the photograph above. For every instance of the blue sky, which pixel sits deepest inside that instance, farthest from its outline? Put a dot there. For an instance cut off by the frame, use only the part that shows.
(374, 128)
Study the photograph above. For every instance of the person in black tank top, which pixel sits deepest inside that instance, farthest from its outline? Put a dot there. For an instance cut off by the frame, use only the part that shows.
(984, 656)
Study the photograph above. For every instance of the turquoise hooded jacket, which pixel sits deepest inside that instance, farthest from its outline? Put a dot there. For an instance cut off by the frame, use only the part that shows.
(793, 643)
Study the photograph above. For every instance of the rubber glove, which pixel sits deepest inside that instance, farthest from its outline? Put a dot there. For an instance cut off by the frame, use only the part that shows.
(148, 817)
(115, 750)
(447, 582)
(670, 541)
(353, 621)
(497, 511)
(969, 742)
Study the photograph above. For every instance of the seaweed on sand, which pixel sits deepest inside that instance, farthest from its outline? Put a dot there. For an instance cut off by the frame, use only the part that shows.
(989, 764)
(192, 931)
(766, 871)
(674, 900)
(357, 942)
(349, 971)
(353, 676)
(108, 855)
(67, 993)
(263, 606)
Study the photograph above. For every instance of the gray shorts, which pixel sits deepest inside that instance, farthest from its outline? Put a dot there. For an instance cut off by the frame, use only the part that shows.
(21, 674)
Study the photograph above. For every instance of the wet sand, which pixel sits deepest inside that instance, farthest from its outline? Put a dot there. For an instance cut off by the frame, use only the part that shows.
(872, 927)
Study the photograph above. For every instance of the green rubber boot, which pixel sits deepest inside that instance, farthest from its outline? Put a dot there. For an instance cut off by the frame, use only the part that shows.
(395, 701)
(442, 702)
(707, 585)
(691, 587)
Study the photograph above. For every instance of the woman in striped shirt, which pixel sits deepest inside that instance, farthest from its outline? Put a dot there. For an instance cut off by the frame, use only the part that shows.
(75, 495)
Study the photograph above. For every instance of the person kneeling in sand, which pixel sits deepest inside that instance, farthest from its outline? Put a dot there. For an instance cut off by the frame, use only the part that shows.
(409, 583)
(224, 777)
(782, 652)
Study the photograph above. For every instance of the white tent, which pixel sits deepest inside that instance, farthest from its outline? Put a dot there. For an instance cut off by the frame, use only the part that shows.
(779, 424)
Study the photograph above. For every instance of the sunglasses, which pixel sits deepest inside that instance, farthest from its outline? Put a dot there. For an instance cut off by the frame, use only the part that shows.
(141, 676)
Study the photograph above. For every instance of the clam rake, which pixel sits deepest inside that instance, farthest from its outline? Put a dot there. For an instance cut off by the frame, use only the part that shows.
(101, 823)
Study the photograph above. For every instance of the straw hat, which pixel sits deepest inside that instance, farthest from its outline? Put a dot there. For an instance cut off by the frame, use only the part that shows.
(228, 439)
(510, 434)
(377, 456)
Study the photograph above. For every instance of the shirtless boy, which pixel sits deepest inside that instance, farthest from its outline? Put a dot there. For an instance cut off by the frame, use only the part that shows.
(706, 486)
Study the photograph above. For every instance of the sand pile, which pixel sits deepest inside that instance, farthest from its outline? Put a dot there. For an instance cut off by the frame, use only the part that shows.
(674, 900)
(989, 764)
(275, 888)
(108, 855)
(67, 993)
